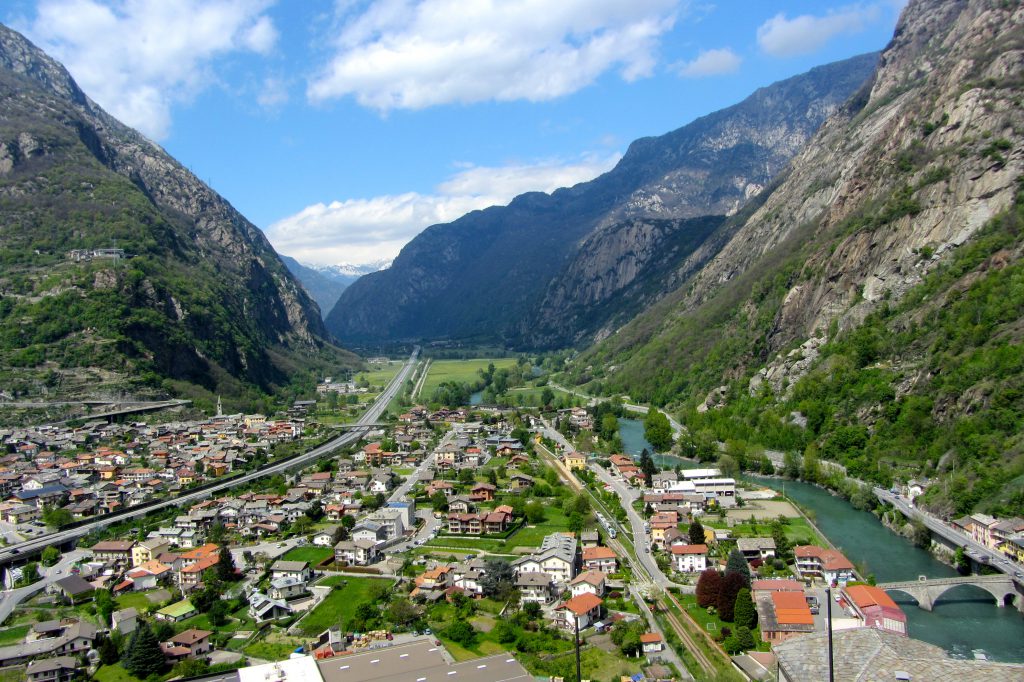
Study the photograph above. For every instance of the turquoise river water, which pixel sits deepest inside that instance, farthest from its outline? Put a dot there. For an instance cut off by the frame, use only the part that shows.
(963, 621)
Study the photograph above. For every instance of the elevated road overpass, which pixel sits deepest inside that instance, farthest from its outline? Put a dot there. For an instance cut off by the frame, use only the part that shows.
(20, 551)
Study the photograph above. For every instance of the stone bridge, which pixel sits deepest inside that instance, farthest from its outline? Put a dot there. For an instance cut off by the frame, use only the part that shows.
(927, 591)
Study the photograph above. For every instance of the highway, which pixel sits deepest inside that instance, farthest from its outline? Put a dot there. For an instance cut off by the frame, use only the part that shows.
(19, 550)
(975, 549)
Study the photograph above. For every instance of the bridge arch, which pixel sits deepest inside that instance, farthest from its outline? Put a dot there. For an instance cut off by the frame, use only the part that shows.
(1001, 594)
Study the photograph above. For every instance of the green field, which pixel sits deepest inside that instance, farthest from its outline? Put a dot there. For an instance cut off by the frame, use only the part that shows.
(339, 606)
(527, 536)
(380, 375)
(314, 555)
(459, 371)
(14, 635)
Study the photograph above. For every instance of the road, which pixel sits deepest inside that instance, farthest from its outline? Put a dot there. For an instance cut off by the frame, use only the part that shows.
(18, 551)
(9, 599)
(975, 549)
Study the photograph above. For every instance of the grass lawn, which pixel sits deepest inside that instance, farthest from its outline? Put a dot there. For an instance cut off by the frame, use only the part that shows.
(339, 606)
(314, 555)
(404, 471)
(713, 624)
(16, 674)
(459, 371)
(113, 673)
(138, 600)
(270, 651)
(527, 536)
(13, 635)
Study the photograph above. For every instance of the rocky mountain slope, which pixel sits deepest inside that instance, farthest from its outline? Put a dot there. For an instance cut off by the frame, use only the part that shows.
(325, 283)
(120, 269)
(554, 269)
(876, 292)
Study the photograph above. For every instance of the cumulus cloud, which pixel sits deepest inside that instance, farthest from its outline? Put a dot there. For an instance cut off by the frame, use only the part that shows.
(369, 230)
(413, 54)
(137, 57)
(711, 63)
(783, 37)
(273, 93)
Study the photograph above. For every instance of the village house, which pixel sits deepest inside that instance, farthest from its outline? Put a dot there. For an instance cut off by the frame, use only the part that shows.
(756, 548)
(298, 570)
(875, 609)
(263, 609)
(783, 614)
(584, 610)
(827, 564)
(115, 553)
(689, 558)
(534, 587)
(588, 581)
(600, 559)
(356, 552)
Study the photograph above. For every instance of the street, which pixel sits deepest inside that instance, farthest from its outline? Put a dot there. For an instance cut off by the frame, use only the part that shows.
(9, 599)
(18, 551)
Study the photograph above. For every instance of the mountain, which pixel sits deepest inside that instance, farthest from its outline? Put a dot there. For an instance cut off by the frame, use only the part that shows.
(120, 269)
(324, 283)
(554, 269)
(870, 309)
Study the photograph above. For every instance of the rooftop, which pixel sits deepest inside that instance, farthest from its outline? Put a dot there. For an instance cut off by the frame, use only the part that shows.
(420, 661)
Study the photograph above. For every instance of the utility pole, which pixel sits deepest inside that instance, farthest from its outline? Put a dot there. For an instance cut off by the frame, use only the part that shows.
(828, 601)
(576, 620)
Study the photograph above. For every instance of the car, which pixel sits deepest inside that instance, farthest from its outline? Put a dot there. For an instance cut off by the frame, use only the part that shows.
(57, 571)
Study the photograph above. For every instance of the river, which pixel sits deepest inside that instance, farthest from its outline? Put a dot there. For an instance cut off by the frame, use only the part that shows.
(964, 619)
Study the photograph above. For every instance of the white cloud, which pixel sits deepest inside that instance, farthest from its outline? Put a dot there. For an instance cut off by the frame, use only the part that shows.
(711, 63)
(783, 37)
(137, 57)
(273, 93)
(368, 230)
(412, 54)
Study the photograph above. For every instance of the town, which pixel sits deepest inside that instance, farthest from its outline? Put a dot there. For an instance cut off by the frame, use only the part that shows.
(469, 531)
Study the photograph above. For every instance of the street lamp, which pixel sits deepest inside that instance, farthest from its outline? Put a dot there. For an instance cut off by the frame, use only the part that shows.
(828, 601)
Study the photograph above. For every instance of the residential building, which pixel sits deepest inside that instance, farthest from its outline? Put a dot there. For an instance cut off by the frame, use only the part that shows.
(286, 588)
(177, 611)
(69, 638)
(149, 549)
(58, 669)
(117, 553)
(651, 642)
(299, 570)
(262, 608)
(124, 620)
(534, 586)
(827, 564)
(783, 614)
(689, 558)
(588, 581)
(584, 610)
(196, 641)
(73, 589)
(600, 559)
(875, 608)
(356, 552)
(756, 548)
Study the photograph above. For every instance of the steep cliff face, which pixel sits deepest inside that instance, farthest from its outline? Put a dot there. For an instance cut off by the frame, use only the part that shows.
(194, 291)
(549, 270)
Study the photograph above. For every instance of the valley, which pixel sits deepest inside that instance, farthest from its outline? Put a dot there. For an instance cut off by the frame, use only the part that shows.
(742, 403)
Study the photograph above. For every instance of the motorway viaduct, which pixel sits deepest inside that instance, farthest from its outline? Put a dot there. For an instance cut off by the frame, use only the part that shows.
(926, 592)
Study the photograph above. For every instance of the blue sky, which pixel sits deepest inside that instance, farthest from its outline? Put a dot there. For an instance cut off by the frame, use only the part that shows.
(344, 128)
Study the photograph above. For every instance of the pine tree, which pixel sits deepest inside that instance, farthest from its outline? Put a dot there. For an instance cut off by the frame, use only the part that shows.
(696, 533)
(737, 563)
(744, 613)
(143, 656)
(709, 585)
(225, 566)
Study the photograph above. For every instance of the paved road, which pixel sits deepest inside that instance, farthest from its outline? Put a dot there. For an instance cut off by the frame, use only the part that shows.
(995, 559)
(9, 599)
(14, 552)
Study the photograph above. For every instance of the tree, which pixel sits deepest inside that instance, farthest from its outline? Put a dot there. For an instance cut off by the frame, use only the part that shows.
(50, 556)
(812, 465)
(217, 534)
(609, 427)
(737, 563)
(658, 430)
(532, 610)
(581, 504)
(728, 465)
(962, 561)
(626, 636)
(30, 573)
(709, 586)
(340, 533)
(105, 605)
(547, 396)
(575, 523)
(782, 545)
(732, 583)
(348, 521)
(461, 632)
(647, 467)
(108, 651)
(740, 640)
(696, 533)
(402, 611)
(315, 511)
(55, 517)
(143, 657)
(791, 465)
(492, 477)
(744, 613)
(766, 466)
(535, 512)
(226, 566)
(218, 612)
(497, 580)
(302, 525)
